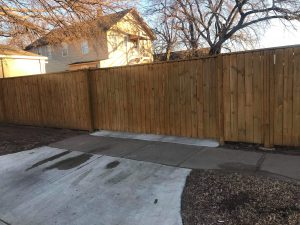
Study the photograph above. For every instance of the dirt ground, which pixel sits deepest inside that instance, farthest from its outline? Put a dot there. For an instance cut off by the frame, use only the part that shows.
(215, 197)
(15, 138)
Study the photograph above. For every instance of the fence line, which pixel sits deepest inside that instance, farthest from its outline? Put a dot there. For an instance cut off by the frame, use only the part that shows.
(54, 100)
(246, 97)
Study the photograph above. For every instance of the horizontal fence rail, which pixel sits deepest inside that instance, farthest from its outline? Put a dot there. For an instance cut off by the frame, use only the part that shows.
(242, 97)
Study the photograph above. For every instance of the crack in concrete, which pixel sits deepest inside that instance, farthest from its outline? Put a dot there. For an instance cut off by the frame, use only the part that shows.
(260, 162)
(3, 221)
(202, 149)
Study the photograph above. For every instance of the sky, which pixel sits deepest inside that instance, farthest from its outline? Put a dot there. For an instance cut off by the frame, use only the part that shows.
(275, 35)
(278, 35)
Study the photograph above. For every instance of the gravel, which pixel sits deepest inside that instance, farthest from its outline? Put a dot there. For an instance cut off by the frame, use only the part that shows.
(216, 197)
(15, 138)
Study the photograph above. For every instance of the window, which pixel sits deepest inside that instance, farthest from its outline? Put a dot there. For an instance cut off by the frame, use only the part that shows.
(135, 44)
(125, 42)
(49, 52)
(64, 49)
(114, 43)
(85, 47)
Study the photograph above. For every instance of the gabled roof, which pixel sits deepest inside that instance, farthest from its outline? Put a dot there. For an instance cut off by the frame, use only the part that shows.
(103, 22)
(6, 50)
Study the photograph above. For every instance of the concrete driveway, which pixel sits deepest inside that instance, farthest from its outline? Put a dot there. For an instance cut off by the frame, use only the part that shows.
(97, 179)
(55, 186)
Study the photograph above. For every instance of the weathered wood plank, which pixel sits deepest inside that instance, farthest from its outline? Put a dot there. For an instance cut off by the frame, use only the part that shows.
(288, 97)
(233, 98)
(296, 98)
(241, 97)
(257, 98)
(249, 97)
(278, 105)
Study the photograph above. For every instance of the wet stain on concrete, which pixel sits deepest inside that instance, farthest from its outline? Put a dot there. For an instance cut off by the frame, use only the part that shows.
(101, 149)
(81, 177)
(70, 163)
(112, 164)
(44, 161)
(118, 178)
(237, 166)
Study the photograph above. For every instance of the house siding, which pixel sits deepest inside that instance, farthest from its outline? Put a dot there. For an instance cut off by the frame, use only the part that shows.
(97, 51)
(125, 54)
(103, 48)
(14, 67)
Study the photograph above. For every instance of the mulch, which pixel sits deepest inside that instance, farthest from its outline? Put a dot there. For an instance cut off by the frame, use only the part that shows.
(288, 150)
(15, 138)
(217, 197)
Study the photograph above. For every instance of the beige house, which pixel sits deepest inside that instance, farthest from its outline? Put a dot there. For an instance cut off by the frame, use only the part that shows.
(123, 39)
(15, 62)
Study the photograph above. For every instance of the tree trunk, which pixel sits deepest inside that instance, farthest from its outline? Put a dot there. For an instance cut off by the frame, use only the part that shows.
(215, 50)
(193, 43)
(168, 54)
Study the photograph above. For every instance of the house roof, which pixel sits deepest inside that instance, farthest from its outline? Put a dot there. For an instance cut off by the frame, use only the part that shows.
(84, 62)
(12, 52)
(104, 23)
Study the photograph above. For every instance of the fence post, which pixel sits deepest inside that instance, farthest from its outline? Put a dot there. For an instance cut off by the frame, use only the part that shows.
(2, 101)
(220, 98)
(39, 85)
(90, 98)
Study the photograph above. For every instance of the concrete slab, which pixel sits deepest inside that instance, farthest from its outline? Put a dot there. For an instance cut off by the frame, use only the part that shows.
(104, 191)
(164, 153)
(217, 158)
(158, 138)
(285, 165)
(82, 142)
(120, 148)
(117, 147)
(22, 180)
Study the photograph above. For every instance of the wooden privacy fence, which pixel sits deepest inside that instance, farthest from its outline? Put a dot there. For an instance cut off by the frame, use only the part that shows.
(54, 100)
(246, 97)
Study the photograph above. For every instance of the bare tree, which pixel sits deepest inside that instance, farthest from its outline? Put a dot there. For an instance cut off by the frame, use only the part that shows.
(221, 23)
(22, 21)
(164, 28)
(167, 37)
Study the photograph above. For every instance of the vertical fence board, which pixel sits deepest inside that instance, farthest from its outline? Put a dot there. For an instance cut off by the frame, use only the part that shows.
(227, 98)
(193, 95)
(200, 100)
(296, 98)
(233, 97)
(249, 97)
(288, 96)
(213, 99)
(2, 108)
(278, 104)
(266, 99)
(206, 96)
(241, 97)
(257, 97)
